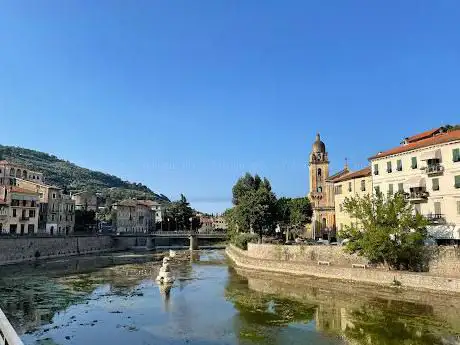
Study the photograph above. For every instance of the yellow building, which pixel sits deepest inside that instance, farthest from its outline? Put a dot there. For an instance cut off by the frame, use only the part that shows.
(9, 172)
(18, 210)
(321, 192)
(57, 210)
(426, 168)
(358, 183)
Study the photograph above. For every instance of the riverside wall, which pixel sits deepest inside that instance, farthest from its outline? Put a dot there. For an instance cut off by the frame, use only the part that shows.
(294, 260)
(15, 250)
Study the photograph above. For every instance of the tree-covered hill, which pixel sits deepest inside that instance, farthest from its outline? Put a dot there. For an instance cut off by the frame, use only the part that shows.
(66, 174)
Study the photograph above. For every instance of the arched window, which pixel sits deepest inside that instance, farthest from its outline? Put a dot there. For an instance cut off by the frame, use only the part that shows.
(319, 172)
(12, 172)
(24, 174)
(320, 189)
(18, 173)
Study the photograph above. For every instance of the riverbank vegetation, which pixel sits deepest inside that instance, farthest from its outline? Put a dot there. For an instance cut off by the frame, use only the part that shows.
(256, 210)
(387, 231)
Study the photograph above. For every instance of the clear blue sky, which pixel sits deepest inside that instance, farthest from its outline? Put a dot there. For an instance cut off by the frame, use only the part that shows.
(186, 96)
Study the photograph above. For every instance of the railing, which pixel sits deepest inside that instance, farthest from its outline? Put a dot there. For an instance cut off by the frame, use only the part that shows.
(435, 218)
(24, 219)
(421, 195)
(433, 169)
(8, 335)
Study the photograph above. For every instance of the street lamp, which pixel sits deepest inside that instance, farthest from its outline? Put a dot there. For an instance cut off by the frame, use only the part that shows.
(169, 227)
(191, 224)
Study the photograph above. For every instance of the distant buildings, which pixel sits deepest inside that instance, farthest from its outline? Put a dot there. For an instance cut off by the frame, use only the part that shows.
(85, 201)
(9, 172)
(18, 210)
(133, 216)
(209, 223)
(43, 208)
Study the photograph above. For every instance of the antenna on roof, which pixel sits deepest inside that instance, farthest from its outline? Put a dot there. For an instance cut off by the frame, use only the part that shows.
(346, 163)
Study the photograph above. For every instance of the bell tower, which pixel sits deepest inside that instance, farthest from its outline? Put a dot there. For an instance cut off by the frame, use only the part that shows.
(321, 192)
(319, 172)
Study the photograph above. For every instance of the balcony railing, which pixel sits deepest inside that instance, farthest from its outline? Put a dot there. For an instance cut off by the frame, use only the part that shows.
(435, 218)
(433, 169)
(23, 219)
(417, 196)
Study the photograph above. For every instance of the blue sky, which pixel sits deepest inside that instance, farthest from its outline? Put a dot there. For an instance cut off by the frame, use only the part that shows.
(186, 96)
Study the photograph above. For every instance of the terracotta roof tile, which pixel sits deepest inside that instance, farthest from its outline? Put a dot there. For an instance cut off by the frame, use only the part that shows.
(423, 135)
(356, 174)
(338, 175)
(435, 140)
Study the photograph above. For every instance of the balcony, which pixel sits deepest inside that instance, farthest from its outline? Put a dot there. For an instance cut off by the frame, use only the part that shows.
(417, 196)
(23, 219)
(435, 218)
(433, 169)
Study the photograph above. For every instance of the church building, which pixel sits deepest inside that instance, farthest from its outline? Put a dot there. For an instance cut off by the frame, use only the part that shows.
(321, 192)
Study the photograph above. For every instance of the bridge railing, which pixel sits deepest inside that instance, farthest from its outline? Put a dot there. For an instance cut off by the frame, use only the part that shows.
(8, 335)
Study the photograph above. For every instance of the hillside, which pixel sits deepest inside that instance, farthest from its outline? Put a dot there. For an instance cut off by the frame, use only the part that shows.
(66, 174)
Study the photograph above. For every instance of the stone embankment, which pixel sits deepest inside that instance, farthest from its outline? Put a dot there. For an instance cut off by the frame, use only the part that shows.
(331, 262)
(15, 250)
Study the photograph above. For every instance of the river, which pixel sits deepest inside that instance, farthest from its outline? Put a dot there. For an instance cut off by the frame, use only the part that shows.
(113, 299)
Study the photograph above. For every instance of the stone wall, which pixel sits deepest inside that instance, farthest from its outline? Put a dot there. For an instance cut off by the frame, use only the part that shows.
(423, 281)
(446, 262)
(307, 254)
(14, 250)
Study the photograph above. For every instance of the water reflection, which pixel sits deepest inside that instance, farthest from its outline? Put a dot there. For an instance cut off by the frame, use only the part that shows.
(115, 299)
(367, 319)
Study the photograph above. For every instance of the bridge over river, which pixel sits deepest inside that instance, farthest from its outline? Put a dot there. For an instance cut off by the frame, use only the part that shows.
(169, 239)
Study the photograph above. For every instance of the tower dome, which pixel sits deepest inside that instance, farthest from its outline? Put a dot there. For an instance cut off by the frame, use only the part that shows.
(318, 145)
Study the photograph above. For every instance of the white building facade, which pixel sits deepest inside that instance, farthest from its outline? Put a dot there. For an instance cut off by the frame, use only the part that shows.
(426, 168)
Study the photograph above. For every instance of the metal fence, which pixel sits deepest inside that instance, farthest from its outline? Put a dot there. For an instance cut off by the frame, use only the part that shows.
(8, 335)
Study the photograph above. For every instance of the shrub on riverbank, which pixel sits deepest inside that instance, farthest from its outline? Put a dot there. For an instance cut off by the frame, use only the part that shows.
(387, 231)
(242, 239)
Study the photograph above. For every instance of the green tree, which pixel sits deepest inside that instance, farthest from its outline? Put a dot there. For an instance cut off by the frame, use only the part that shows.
(84, 220)
(255, 204)
(179, 212)
(387, 231)
(300, 212)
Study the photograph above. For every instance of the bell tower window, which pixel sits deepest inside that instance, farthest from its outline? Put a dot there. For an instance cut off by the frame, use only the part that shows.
(320, 189)
(319, 172)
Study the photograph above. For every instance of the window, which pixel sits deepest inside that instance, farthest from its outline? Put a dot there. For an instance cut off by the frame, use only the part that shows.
(24, 203)
(349, 186)
(389, 170)
(31, 214)
(435, 183)
(437, 208)
(400, 187)
(54, 195)
(377, 189)
(338, 189)
(320, 189)
(399, 165)
(456, 155)
(417, 208)
(31, 228)
(390, 189)
(363, 185)
(341, 207)
(52, 217)
(14, 202)
(457, 181)
(319, 172)
(376, 169)
(14, 212)
(458, 208)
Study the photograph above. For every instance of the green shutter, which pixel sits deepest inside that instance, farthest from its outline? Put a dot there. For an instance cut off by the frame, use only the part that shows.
(456, 155)
(414, 162)
(457, 181)
(399, 165)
